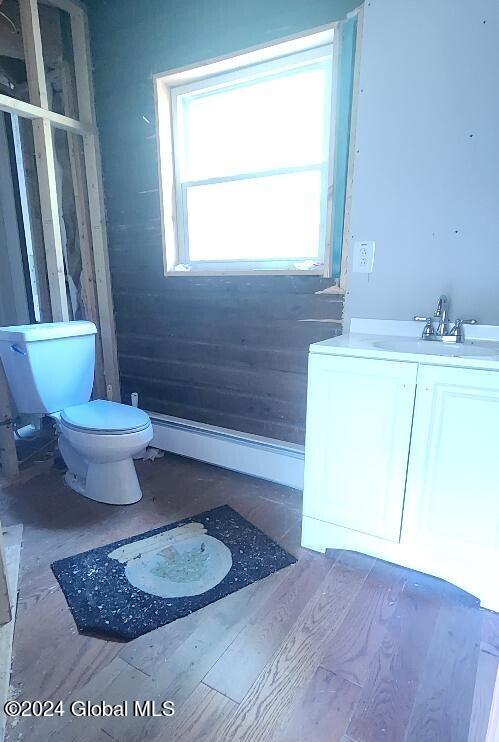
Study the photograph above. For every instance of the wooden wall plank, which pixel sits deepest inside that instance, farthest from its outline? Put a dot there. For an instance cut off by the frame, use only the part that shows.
(281, 430)
(237, 329)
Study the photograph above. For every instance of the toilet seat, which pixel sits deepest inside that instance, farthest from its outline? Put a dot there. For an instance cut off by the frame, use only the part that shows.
(101, 417)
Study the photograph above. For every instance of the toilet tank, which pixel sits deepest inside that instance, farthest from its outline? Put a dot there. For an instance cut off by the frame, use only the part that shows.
(49, 366)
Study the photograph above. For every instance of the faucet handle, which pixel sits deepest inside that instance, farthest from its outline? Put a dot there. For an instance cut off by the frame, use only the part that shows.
(459, 322)
(428, 329)
(457, 330)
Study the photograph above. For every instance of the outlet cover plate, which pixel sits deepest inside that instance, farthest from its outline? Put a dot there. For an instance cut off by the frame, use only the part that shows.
(363, 256)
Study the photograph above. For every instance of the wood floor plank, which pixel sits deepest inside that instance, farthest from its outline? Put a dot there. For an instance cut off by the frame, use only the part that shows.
(268, 706)
(239, 666)
(202, 637)
(349, 651)
(107, 684)
(444, 699)
(40, 644)
(12, 540)
(323, 711)
(177, 667)
(200, 717)
(388, 694)
(51, 659)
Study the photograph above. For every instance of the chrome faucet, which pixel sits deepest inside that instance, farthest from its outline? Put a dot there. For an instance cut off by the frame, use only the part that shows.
(441, 312)
(442, 333)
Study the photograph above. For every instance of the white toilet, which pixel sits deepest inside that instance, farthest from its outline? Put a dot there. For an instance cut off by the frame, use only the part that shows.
(50, 371)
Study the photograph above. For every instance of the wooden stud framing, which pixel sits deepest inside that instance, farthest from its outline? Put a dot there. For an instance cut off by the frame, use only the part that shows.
(345, 251)
(87, 277)
(27, 153)
(5, 598)
(45, 161)
(87, 182)
(8, 456)
(96, 277)
(84, 89)
(29, 111)
(33, 52)
(328, 254)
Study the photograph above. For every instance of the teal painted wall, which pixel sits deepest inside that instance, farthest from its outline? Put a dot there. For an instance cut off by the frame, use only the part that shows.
(160, 34)
(230, 352)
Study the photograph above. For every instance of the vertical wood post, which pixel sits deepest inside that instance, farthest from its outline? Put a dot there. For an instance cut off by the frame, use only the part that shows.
(87, 278)
(45, 160)
(5, 609)
(8, 454)
(84, 90)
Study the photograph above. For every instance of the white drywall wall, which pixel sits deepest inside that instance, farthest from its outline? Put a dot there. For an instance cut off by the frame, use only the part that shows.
(426, 173)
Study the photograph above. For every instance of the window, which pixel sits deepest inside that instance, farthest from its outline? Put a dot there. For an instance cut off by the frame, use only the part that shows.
(246, 152)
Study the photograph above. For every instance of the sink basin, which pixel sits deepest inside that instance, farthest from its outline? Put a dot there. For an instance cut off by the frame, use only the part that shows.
(470, 349)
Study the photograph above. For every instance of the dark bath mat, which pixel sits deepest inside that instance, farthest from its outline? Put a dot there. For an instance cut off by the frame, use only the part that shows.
(135, 585)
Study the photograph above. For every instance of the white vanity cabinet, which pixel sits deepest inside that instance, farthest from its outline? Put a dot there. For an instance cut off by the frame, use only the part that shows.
(452, 492)
(359, 418)
(402, 462)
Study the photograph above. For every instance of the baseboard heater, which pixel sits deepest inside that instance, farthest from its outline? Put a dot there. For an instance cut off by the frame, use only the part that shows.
(255, 455)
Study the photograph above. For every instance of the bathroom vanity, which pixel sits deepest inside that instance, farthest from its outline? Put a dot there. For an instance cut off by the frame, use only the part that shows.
(402, 451)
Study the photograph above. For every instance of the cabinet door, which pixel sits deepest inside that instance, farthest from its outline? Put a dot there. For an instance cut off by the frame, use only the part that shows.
(359, 419)
(452, 496)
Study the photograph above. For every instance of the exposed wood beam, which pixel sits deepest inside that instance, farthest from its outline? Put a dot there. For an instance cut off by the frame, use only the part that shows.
(29, 111)
(11, 43)
(87, 276)
(45, 161)
(85, 97)
(8, 455)
(33, 53)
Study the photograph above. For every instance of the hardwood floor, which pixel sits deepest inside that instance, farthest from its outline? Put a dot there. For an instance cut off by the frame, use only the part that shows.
(344, 648)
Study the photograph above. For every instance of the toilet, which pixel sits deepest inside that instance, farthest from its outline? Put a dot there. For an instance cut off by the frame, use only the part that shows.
(50, 371)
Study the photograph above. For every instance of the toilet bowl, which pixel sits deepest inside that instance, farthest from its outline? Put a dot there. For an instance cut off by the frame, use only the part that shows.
(50, 370)
(97, 441)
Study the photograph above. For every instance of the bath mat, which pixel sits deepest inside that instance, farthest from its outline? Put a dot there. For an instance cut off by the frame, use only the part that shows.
(135, 585)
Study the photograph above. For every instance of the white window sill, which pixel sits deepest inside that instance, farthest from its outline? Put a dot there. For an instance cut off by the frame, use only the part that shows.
(184, 274)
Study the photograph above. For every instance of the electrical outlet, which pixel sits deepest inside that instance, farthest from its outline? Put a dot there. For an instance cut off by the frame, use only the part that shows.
(363, 257)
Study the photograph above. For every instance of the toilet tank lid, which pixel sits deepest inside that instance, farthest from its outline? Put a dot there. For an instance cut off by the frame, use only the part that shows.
(46, 331)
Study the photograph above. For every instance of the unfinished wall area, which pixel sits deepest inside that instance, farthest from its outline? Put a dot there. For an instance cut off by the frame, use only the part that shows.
(225, 351)
(426, 178)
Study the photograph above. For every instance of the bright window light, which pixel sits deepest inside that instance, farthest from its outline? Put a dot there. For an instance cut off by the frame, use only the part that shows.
(275, 217)
(252, 165)
(262, 124)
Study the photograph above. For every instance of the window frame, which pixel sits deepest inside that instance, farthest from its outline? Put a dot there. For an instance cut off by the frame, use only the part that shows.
(318, 57)
(165, 82)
